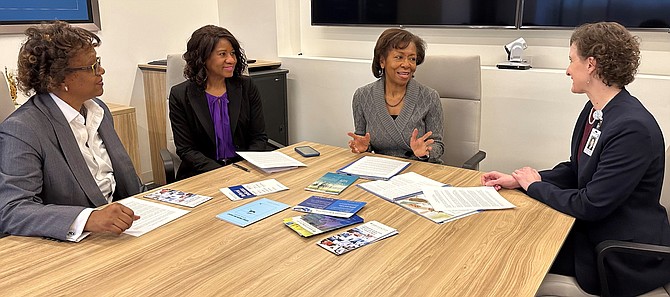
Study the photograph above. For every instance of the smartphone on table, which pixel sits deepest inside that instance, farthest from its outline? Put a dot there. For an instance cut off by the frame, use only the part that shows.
(307, 151)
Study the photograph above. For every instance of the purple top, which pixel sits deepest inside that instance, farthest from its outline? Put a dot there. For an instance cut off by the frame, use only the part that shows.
(224, 137)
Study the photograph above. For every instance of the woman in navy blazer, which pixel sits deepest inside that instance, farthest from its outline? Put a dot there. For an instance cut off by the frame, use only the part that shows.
(612, 183)
(216, 111)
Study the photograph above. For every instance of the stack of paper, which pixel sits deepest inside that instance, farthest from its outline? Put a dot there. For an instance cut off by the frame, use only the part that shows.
(312, 223)
(400, 186)
(357, 237)
(270, 162)
(152, 215)
(329, 206)
(375, 167)
(465, 199)
(251, 190)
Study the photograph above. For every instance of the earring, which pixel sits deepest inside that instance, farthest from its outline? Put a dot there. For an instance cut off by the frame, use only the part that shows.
(67, 89)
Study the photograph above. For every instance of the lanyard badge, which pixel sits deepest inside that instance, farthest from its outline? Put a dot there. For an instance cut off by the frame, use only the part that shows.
(595, 133)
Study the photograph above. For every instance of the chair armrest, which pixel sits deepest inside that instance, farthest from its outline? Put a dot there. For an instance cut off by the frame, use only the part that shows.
(608, 247)
(473, 162)
(273, 145)
(168, 165)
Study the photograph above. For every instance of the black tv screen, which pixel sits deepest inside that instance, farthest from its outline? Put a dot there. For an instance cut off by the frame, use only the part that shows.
(494, 13)
(572, 13)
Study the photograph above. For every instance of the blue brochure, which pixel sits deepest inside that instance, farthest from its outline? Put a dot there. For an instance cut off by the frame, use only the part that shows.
(252, 212)
(329, 206)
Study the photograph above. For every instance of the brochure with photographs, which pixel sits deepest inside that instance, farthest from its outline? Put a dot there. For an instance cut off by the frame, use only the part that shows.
(332, 183)
(312, 223)
(357, 237)
(178, 197)
(419, 205)
(329, 206)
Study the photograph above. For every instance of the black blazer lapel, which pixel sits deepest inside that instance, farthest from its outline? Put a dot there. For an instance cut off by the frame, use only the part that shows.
(234, 103)
(198, 100)
(70, 149)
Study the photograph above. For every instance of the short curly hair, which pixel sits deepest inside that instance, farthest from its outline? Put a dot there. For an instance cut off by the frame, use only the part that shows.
(395, 38)
(616, 51)
(200, 46)
(43, 58)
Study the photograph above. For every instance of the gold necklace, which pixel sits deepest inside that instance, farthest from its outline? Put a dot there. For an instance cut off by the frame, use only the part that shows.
(389, 105)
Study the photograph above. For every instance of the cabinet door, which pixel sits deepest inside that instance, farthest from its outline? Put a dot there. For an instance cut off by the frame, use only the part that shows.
(272, 87)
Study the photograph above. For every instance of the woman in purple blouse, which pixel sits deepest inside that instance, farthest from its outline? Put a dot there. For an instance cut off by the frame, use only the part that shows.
(216, 111)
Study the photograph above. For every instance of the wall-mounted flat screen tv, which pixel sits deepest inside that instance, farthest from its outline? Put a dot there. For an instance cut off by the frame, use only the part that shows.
(17, 15)
(633, 14)
(434, 13)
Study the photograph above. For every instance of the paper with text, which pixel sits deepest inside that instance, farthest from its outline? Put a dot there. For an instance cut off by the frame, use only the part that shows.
(270, 162)
(400, 186)
(251, 190)
(375, 167)
(465, 198)
(152, 215)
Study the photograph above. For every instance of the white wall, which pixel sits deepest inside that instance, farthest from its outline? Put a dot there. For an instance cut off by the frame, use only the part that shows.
(134, 32)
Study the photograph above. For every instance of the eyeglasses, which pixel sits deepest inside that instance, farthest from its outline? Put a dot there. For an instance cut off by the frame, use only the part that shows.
(95, 67)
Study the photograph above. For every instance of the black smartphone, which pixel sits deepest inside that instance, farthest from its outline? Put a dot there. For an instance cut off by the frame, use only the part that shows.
(307, 151)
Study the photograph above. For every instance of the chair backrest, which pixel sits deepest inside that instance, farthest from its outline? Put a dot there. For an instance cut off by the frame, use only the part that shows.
(173, 76)
(458, 80)
(665, 192)
(6, 103)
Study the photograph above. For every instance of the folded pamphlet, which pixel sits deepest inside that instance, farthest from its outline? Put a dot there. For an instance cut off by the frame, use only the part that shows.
(357, 237)
(312, 223)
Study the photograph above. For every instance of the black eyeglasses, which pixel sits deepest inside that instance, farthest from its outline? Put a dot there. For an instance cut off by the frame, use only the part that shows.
(95, 67)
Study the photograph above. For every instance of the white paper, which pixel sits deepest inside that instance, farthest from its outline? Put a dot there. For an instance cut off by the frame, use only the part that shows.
(152, 215)
(375, 167)
(400, 186)
(273, 161)
(465, 198)
(255, 189)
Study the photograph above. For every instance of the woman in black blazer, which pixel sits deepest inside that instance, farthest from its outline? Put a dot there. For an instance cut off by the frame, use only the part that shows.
(612, 183)
(216, 111)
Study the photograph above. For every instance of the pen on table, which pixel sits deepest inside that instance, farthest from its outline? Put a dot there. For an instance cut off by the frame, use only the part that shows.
(241, 167)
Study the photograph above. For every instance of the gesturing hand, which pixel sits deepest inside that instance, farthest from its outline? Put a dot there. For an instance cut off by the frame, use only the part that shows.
(359, 144)
(421, 146)
(114, 218)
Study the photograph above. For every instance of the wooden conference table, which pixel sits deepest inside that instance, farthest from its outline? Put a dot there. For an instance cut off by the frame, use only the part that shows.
(493, 253)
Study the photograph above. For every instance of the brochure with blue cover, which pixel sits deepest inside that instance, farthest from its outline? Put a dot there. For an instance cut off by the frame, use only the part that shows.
(329, 206)
(252, 212)
(332, 183)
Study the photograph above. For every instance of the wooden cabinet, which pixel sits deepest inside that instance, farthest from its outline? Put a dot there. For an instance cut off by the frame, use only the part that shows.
(125, 124)
(271, 84)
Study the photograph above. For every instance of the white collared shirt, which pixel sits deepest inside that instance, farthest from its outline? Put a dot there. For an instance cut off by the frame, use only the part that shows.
(94, 152)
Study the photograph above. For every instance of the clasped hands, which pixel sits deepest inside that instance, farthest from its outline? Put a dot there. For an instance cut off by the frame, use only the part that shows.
(520, 178)
(114, 218)
(420, 145)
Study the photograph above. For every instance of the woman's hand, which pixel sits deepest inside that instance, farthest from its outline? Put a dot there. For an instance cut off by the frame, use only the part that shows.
(421, 146)
(359, 144)
(499, 180)
(526, 176)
